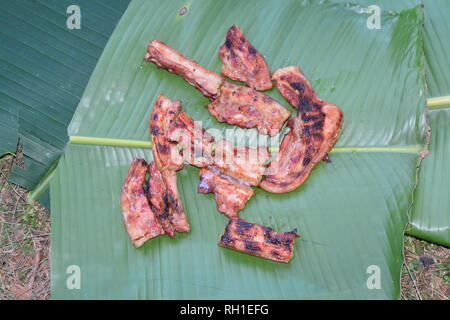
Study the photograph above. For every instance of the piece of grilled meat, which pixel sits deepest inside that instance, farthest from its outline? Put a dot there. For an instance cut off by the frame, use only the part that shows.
(242, 62)
(231, 196)
(177, 216)
(140, 221)
(168, 158)
(163, 56)
(244, 164)
(248, 108)
(228, 171)
(196, 143)
(166, 154)
(258, 240)
(312, 133)
(157, 194)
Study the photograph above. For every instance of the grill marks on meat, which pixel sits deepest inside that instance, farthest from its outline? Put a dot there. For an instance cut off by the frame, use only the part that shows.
(159, 200)
(230, 195)
(248, 108)
(195, 142)
(168, 158)
(242, 163)
(166, 154)
(258, 240)
(232, 103)
(140, 221)
(235, 170)
(163, 56)
(242, 62)
(313, 133)
(228, 171)
(177, 216)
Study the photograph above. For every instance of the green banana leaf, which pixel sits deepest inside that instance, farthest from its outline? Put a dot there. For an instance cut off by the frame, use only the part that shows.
(437, 48)
(44, 70)
(430, 215)
(351, 213)
(431, 209)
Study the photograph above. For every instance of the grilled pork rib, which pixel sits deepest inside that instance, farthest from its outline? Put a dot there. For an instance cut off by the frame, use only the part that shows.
(244, 164)
(166, 154)
(228, 171)
(248, 108)
(230, 195)
(242, 62)
(140, 221)
(163, 56)
(168, 158)
(230, 178)
(177, 216)
(157, 194)
(195, 142)
(312, 133)
(257, 240)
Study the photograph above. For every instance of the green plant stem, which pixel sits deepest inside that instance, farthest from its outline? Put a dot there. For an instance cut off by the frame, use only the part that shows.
(110, 142)
(42, 185)
(438, 102)
(147, 144)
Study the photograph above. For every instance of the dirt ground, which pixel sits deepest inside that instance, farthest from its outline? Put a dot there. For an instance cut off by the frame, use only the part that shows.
(25, 252)
(24, 242)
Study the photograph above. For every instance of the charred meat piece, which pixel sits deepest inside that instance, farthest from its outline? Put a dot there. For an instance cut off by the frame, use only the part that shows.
(168, 58)
(168, 158)
(177, 216)
(230, 171)
(313, 133)
(141, 222)
(257, 240)
(166, 154)
(242, 163)
(248, 108)
(159, 200)
(242, 62)
(195, 142)
(231, 196)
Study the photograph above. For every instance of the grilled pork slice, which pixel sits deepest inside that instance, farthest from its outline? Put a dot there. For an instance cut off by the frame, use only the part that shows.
(166, 154)
(168, 58)
(245, 164)
(195, 142)
(228, 173)
(242, 62)
(177, 216)
(168, 158)
(235, 170)
(159, 200)
(257, 240)
(141, 222)
(313, 133)
(230, 195)
(248, 108)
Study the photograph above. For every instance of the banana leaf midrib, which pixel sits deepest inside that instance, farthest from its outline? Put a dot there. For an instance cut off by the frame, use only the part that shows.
(147, 145)
(438, 102)
(432, 103)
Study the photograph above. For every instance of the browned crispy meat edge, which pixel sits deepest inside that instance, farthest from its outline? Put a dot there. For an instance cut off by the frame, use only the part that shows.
(263, 103)
(299, 92)
(234, 51)
(206, 187)
(165, 153)
(157, 194)
(236, 230)
(158, 130)
(133, 196)
(207, 81)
